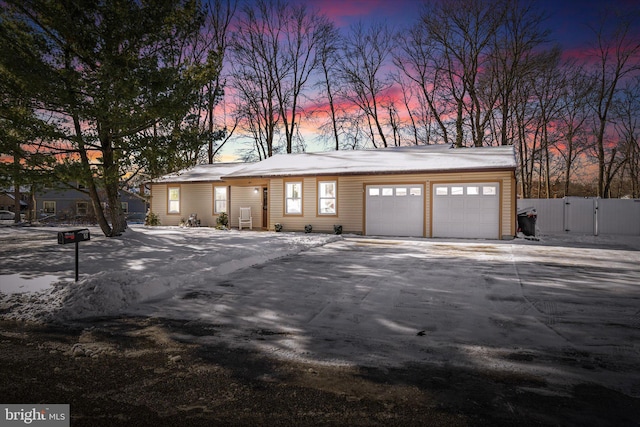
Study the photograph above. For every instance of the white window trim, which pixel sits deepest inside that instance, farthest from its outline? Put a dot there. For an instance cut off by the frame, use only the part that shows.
(334, 198)
(169, 210)
(287, 198)
(217, 211)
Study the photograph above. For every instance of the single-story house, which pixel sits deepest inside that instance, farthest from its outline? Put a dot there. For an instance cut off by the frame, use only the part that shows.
(8, 201)
(423, 191)
(71, 202)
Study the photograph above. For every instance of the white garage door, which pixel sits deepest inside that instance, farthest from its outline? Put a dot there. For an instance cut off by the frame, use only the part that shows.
(466, 210)
(395, 210)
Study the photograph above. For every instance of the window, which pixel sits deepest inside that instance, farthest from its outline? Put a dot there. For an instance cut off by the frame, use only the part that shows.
(488, 191)
(49, 207)
(387, 191)
(401, 191)
(219, 200)
(374, 191)
(457, 191)
(327, 197)
(174, 200)
(125, 207)
(415, 191)
(442, 191)
(293, 201)
(473, 191)
(82, 208)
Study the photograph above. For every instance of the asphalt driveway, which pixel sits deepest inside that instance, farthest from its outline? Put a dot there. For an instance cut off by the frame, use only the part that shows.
(563, 311)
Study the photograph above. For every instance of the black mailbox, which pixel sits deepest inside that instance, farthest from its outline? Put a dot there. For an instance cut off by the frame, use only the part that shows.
(73, 236)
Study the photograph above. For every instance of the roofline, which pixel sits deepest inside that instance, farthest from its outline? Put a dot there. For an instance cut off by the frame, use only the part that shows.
(403, 172)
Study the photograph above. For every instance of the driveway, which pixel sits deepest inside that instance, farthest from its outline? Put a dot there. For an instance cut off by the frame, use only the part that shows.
(561, 312)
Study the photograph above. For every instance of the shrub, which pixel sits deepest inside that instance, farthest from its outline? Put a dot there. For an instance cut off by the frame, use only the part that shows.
(278, 227)
(151, 219)
(222, 221)
(337, 229)
(308, 228)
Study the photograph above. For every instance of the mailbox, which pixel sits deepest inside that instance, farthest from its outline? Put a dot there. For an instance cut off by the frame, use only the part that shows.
(73, 236)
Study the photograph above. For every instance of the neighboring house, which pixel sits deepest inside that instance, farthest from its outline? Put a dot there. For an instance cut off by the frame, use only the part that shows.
(71, 202)
(8, 201)
(423, 191)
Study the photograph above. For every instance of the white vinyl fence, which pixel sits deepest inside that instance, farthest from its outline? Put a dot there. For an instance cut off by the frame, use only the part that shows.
(585, 215)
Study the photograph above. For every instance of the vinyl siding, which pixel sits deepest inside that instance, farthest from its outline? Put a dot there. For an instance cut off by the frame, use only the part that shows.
(350, 203)
(246, 197)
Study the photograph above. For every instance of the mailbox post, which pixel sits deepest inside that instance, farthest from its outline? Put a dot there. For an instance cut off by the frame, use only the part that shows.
(74, 236)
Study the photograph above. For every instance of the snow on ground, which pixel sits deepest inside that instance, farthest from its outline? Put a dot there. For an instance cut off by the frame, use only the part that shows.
(562, 310)
(116, 273)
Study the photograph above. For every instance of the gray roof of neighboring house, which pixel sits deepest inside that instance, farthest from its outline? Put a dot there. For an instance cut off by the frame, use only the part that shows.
(202, 173)
(416, 159)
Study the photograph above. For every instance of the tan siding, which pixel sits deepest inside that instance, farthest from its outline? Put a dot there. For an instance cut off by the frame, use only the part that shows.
(351, 199)
(198, 198)
(159, 204)
(246, 197)
(276, 202)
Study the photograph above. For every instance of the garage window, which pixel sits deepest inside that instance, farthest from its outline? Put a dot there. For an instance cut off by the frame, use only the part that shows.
(457, 191)
(489, 191)
(293, 202)
(442, 191)
(401, 191)
(473, 191)
(327, 193)
(415, 191)
(387, 191)
(374, 192)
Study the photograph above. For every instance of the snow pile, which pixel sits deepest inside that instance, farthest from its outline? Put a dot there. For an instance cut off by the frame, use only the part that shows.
(147, 263)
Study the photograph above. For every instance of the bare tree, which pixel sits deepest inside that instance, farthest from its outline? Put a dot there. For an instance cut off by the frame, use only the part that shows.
(275, 51)
(419, 61)
(513, 58)
(329, 54)
(618, 57)
(628, 130)
(573, 113)
(366, 51)
(462, 32)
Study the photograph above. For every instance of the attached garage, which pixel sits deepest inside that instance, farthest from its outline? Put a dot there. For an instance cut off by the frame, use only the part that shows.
(466, 210)
(395, 210)
(417, 191)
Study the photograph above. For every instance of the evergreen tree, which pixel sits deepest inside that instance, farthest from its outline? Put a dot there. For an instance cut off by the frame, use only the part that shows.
(114, 76)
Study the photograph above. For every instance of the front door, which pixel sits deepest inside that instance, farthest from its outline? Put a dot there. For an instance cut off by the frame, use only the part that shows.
(265, 205)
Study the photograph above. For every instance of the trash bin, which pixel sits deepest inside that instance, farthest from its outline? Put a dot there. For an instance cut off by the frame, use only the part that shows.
(527, 221)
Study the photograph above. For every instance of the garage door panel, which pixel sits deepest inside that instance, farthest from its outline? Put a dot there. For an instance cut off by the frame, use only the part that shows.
(395, 210)
(466, 210)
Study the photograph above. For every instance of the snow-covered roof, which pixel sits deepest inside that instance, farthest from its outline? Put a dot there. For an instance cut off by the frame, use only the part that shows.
(430, 158)
(202, 173)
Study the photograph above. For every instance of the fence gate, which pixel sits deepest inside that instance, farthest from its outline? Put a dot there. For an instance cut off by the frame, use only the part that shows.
(580, 215)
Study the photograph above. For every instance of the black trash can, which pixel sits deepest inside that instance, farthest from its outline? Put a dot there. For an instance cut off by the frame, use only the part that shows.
(527, 221)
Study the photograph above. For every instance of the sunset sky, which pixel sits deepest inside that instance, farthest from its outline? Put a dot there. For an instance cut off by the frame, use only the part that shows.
(568, 21)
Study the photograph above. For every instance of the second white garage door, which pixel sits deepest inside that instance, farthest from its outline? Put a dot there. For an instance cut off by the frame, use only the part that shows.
(395, 210)
(466, 210)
